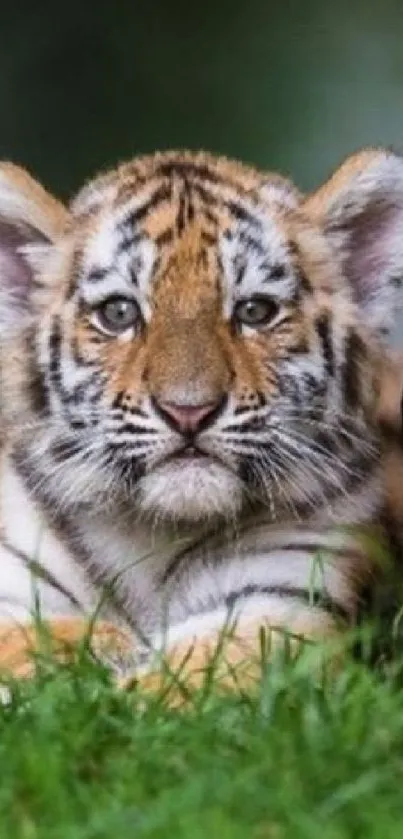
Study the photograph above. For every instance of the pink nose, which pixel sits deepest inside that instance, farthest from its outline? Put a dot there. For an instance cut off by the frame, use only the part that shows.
(188, 419)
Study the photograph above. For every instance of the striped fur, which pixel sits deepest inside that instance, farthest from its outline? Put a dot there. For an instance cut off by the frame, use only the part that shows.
(248, 510)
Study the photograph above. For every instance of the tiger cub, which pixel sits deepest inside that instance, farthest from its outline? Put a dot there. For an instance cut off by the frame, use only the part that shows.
(192, 357)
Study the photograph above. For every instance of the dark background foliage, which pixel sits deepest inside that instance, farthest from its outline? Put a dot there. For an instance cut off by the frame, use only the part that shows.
(292, 85)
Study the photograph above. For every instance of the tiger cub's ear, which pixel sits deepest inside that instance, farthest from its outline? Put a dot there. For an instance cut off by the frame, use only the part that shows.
(30, 221)
(360, 210)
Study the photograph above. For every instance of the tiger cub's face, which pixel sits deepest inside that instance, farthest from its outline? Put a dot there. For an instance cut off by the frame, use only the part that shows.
(194, 336)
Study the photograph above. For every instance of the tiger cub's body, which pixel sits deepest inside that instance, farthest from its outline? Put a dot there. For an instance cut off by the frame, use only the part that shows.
(191, 357)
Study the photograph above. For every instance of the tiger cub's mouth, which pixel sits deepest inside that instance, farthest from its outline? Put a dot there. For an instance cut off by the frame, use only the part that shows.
(190, 453)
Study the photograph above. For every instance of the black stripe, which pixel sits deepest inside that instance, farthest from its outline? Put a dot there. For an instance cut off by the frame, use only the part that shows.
(128, 470)
(64, 448)
(38, 570)
(240, 266)
(55, 358)
(295, 253)
(82, 391)
(186, 169)
(190, 210)
(350, 383)
(119, 400)
(317, 598)
(210, 217)
(177, 560)
(182, 209)
(318, 550)
(207, 238)
(164, 238)
(37, 388)
(77, 424)
(137, 412)
(131, 428)
(252, 244)
(240, 212)
(277, 271)
(97, 274)
(322, 326)
(209, 199)
(121, 403)
(240, 409)
(54, 344)
(162, 193)
(128, 241)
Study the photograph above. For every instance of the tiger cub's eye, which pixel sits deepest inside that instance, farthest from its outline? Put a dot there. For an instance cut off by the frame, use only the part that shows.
(117, 315)
(256, 311)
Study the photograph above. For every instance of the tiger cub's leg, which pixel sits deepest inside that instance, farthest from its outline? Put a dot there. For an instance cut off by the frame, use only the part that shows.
(39, 614)
(242, 612)
(234, 656)
(20, 644)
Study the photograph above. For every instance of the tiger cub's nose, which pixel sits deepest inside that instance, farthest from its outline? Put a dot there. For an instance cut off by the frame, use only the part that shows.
(188, 419)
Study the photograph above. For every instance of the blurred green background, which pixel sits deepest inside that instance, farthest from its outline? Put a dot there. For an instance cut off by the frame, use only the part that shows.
(292, 85)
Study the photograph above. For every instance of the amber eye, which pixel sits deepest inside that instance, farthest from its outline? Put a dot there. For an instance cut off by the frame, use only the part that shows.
(117, 315)
(256, 311)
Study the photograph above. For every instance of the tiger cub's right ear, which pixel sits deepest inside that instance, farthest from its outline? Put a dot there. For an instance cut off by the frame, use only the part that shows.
(389, 412)
(30, 221)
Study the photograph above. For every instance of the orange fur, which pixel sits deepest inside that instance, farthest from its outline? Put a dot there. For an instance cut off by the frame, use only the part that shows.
(235, 660)
(19, 644)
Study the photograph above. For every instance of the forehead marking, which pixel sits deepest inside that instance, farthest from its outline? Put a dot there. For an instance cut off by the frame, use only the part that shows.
(140, 210)
(252, 251)
(127, 271)
(254, 255)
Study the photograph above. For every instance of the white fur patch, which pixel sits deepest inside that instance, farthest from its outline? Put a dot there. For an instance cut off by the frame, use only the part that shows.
(120, 266)
(93, 196)
(191, 489)
(196, 629)
(25, 530)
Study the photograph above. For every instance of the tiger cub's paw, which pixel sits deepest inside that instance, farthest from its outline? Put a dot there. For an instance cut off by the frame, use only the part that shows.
(21, 644)
(234, 661)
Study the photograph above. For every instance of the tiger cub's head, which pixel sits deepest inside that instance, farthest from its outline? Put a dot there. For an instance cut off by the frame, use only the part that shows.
(191, 335)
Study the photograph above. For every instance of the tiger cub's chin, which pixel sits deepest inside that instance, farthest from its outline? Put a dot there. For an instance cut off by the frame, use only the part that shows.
(191, 489)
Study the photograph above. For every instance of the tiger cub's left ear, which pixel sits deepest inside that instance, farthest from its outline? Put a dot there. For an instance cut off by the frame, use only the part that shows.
(360, 209)
(30, 222)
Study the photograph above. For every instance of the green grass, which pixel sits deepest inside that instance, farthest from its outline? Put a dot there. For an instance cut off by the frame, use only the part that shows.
(301, 757)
